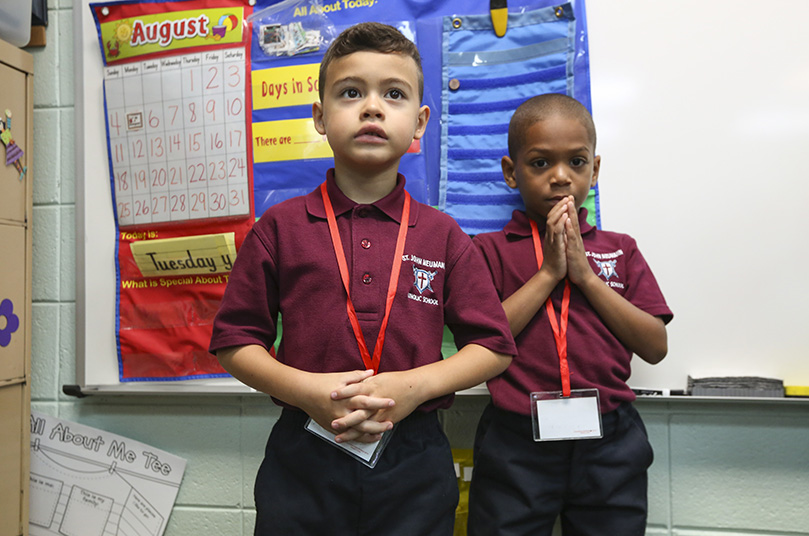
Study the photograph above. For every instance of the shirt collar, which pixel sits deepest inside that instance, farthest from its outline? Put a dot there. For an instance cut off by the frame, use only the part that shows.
(520, 226)
(391, 204)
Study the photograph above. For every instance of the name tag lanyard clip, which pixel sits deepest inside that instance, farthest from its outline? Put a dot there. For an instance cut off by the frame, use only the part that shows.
(367, 453)
(566, 414)
(560, 328)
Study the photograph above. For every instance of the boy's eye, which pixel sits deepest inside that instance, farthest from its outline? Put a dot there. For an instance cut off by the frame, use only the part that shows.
(351, 93)
(578, 161)
(395, 94)
(539, 163)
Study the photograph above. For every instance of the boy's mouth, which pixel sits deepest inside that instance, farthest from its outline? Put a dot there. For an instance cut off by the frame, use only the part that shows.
(371, 132)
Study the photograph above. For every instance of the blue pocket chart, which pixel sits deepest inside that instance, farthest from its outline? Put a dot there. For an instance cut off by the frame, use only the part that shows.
(474, 80)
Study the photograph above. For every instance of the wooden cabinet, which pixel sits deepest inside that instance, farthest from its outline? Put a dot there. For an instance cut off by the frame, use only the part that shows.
(16, 205)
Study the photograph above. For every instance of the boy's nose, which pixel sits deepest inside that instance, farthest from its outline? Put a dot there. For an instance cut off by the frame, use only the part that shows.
(372, 107)
(560, 175)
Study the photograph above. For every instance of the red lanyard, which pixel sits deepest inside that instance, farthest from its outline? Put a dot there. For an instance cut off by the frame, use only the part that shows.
(370, 362)
(559, 330)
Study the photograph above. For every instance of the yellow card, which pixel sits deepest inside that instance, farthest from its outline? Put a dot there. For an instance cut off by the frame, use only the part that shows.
(289, 139)
(201, 254)
(285, 86)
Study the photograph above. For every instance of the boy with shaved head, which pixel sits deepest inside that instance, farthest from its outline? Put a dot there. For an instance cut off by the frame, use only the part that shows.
(561, 437)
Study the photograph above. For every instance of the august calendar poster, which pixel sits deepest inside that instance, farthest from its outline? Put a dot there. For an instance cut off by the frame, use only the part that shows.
(176, 105)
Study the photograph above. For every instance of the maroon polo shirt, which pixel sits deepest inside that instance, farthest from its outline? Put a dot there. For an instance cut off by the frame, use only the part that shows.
(287, 265)
(596, 357)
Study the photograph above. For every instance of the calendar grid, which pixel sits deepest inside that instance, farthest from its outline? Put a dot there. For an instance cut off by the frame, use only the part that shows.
(178, 139)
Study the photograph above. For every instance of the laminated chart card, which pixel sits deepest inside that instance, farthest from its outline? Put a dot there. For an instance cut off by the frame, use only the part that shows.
(177, 137)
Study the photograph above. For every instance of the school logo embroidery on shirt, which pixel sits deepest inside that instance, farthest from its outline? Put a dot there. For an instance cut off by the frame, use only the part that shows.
(607, 268)
(423, 279)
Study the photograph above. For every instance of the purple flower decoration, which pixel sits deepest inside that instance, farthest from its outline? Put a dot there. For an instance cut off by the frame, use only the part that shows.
(11, 324)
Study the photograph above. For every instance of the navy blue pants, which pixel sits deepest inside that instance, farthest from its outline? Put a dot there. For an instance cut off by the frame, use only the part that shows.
(306, 486)
(596, 486)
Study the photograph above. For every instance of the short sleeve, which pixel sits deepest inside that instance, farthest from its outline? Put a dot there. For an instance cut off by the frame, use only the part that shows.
(249, 309)
(473, 310)
(643, 291)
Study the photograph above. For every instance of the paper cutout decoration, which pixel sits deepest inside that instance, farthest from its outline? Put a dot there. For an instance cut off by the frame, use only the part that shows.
(10, 324)
(13, 152)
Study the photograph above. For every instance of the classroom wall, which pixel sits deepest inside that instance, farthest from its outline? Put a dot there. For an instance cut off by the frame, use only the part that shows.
(722, 468)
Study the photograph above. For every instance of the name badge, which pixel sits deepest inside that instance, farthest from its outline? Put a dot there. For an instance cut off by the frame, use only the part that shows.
(367, 453)
(556, 417)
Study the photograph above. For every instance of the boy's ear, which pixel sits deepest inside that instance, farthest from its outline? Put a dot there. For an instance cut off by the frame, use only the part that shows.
(508, 171)
(596, 169)
(317, 117)
(421, 122)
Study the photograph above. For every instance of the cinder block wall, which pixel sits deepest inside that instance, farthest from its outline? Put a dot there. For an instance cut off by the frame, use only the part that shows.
(730, 468)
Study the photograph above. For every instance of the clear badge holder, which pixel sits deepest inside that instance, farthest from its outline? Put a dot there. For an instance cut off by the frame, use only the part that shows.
(556, 417)
(292, 28)
(366, 453)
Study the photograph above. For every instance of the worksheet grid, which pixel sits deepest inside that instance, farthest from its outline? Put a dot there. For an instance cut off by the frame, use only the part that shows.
(178, 137)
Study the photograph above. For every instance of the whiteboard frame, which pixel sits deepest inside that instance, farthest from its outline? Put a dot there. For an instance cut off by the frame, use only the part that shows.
(722, 245)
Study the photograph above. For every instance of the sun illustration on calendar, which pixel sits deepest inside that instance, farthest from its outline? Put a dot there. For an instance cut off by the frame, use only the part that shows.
(226, 24)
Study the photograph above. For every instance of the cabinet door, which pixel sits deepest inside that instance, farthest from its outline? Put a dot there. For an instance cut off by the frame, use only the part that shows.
(15, 288)
(13, 302)
(13, 200)
(12, 406)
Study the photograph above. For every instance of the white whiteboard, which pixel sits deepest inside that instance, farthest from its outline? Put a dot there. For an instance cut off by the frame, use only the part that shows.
(703, 121)
(702, 112)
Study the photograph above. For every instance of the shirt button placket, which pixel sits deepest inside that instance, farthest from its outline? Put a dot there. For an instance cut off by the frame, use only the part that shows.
(365, 244)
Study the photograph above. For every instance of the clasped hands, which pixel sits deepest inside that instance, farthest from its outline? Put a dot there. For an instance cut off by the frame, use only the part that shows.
(350, 404)
(563, 251)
